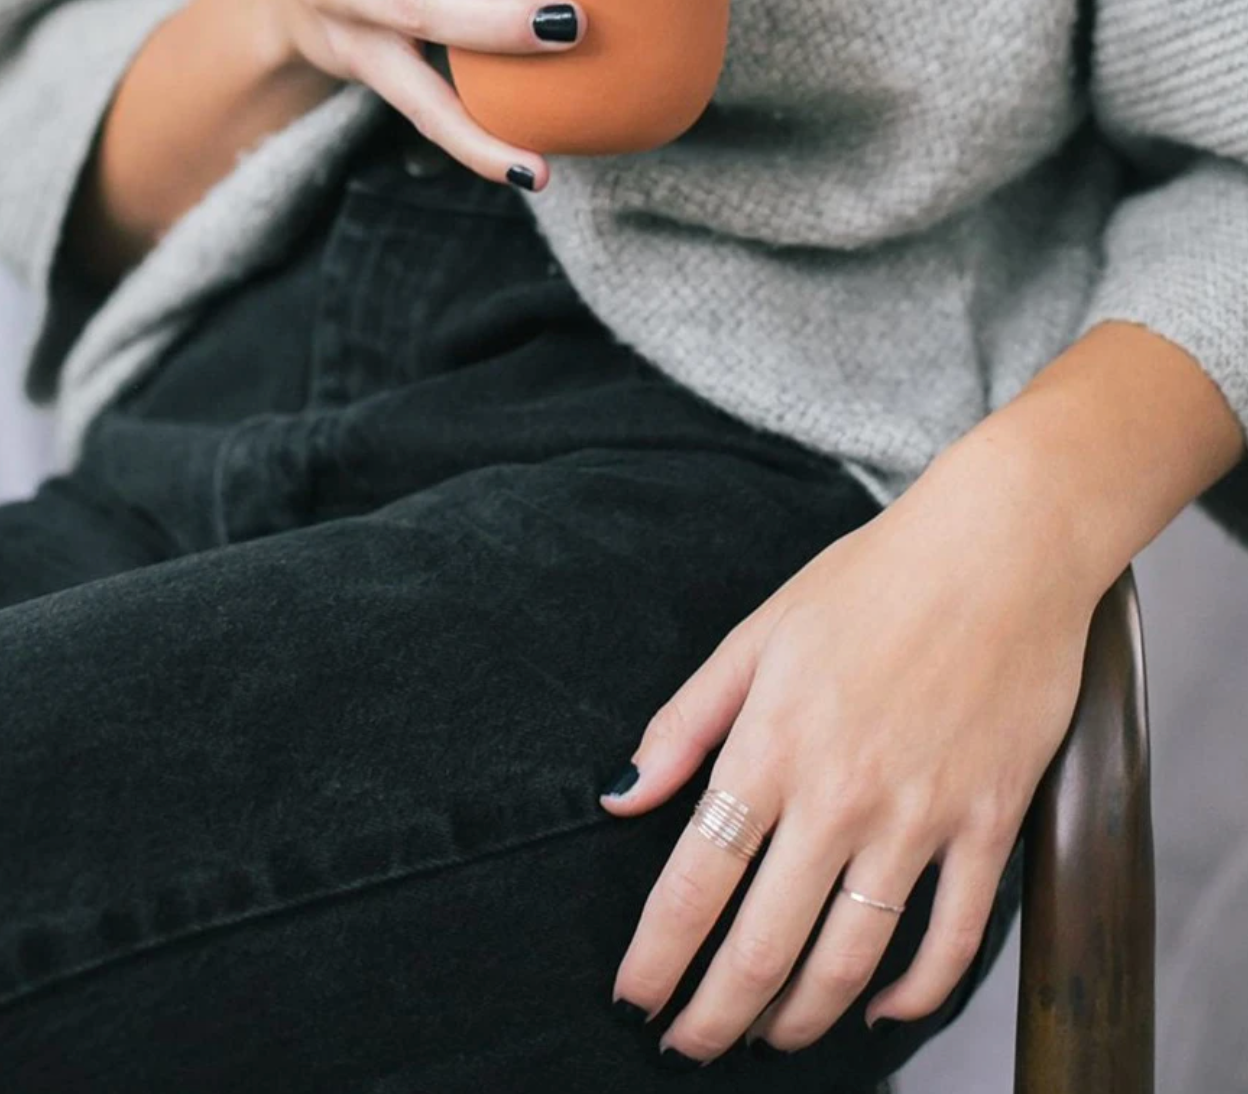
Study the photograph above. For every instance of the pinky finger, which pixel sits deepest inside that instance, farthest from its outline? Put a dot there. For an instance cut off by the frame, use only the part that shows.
(394, 68)
(964, 899)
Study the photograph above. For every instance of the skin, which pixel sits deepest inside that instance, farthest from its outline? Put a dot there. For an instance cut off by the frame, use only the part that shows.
(219, 76)
(898, 699)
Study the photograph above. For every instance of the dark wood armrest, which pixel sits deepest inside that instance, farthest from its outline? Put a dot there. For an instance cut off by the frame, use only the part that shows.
(1086, 990)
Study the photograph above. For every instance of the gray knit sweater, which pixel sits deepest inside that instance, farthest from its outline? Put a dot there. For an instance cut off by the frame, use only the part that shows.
(893, 214)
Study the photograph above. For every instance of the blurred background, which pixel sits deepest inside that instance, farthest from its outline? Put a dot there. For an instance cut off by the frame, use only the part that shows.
(1194, 590)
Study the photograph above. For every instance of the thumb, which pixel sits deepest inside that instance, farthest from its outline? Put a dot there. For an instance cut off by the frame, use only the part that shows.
(688, 726)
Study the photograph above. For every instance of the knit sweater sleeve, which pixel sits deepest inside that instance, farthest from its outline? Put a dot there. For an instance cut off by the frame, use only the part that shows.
(1170, 89)
(60, 63)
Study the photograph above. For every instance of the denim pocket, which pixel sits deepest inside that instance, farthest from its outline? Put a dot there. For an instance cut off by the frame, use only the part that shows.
(406, 257)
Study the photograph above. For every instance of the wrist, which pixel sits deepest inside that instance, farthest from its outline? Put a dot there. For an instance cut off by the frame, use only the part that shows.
(1097, 455)
(1020, 515)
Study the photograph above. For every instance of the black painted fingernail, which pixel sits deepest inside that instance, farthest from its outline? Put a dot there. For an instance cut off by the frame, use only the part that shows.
(885, 1025)
(671, 1060)
(556, 23)
(629, 1014)
(522, 177)
(765, 1050)
(626, 780)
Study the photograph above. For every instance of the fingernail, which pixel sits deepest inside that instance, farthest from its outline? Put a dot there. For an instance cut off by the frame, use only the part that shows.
(765, 1050)
(556, 23)
(624, 782)
(671, 1060)
(629, 1014)
(521, 177)
(884, 1025)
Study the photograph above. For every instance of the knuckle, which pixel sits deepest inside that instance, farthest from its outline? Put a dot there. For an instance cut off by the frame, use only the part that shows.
(994, 822)
(347, 51)
(759, 961)
(671, 721)
(414, 17)
(797, 1032)
(701, 1042)
(849, 808)
(961, 941)
(684, 896)
(646, 989)
(919, 815)
(425, 121)
(843, 972)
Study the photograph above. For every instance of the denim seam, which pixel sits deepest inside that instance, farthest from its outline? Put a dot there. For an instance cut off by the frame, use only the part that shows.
(220, 528)
(326, 896)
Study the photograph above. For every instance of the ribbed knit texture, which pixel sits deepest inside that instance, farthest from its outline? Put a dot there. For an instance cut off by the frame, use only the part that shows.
(892, 216)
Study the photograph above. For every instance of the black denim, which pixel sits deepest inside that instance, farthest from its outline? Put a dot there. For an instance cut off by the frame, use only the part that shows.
(313, 669)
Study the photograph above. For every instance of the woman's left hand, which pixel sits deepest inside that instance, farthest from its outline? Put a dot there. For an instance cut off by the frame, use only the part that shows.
(895, 703)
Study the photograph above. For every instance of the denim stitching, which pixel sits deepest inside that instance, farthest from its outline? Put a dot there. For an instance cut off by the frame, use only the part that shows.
(435, 865)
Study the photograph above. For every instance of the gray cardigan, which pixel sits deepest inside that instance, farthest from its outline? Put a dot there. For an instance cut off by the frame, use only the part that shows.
(894, 213)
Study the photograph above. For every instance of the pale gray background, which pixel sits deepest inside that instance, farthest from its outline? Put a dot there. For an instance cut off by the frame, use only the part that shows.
(1194, 588)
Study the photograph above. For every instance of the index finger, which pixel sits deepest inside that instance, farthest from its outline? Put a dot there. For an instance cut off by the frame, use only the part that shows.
(487, 26)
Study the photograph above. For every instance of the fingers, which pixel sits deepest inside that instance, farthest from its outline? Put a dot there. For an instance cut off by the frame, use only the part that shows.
(488, 26)
(685, 903)
(762, 947)
(969, 876)
(852, 941)
(398, 73)
(690, 724)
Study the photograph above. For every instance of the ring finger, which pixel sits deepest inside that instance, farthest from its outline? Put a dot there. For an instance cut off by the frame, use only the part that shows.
(850, 945)
(767, 937)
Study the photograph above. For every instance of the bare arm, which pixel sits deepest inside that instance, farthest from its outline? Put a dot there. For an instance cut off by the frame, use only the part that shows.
(897, 700)
(210, 84)
(1109, 442)
(220, 75)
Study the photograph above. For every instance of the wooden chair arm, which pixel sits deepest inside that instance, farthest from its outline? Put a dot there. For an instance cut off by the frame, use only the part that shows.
(1086, 989)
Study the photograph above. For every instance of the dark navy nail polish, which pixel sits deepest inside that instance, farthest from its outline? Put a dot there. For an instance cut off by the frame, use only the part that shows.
(624, 782)
(556, 23)
(629, 1014)
(678, 1062)
(521, 177)
(765, 1050)
(885, 1025)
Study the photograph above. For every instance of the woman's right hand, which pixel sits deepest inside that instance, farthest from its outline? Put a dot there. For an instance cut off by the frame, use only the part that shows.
(380, 43)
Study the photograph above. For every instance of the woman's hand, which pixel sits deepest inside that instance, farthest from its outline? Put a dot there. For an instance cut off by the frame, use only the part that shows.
(380, 43)
(895, 703)
(219, 76)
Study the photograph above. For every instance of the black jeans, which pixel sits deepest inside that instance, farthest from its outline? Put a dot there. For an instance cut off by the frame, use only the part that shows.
(312, 670)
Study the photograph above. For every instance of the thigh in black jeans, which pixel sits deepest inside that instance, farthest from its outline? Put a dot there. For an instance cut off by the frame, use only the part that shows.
(313, 670)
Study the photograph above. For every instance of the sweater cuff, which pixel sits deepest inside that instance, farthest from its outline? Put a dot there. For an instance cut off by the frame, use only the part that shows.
(55, 89)
(1176, 262)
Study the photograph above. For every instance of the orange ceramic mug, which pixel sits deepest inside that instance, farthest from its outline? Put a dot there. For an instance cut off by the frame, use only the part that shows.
(641, 76)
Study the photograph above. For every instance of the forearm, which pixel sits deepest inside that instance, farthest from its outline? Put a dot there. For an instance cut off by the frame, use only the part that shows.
(210, 83)
(1100, 452)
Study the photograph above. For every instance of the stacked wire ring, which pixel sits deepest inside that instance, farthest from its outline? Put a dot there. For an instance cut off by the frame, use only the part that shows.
(878, 905)
(725, 821)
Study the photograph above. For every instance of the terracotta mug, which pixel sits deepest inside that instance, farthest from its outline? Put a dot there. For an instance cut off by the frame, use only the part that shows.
(642, 75)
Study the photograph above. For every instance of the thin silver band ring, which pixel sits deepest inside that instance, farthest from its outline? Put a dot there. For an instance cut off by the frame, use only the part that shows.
(878, 905)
